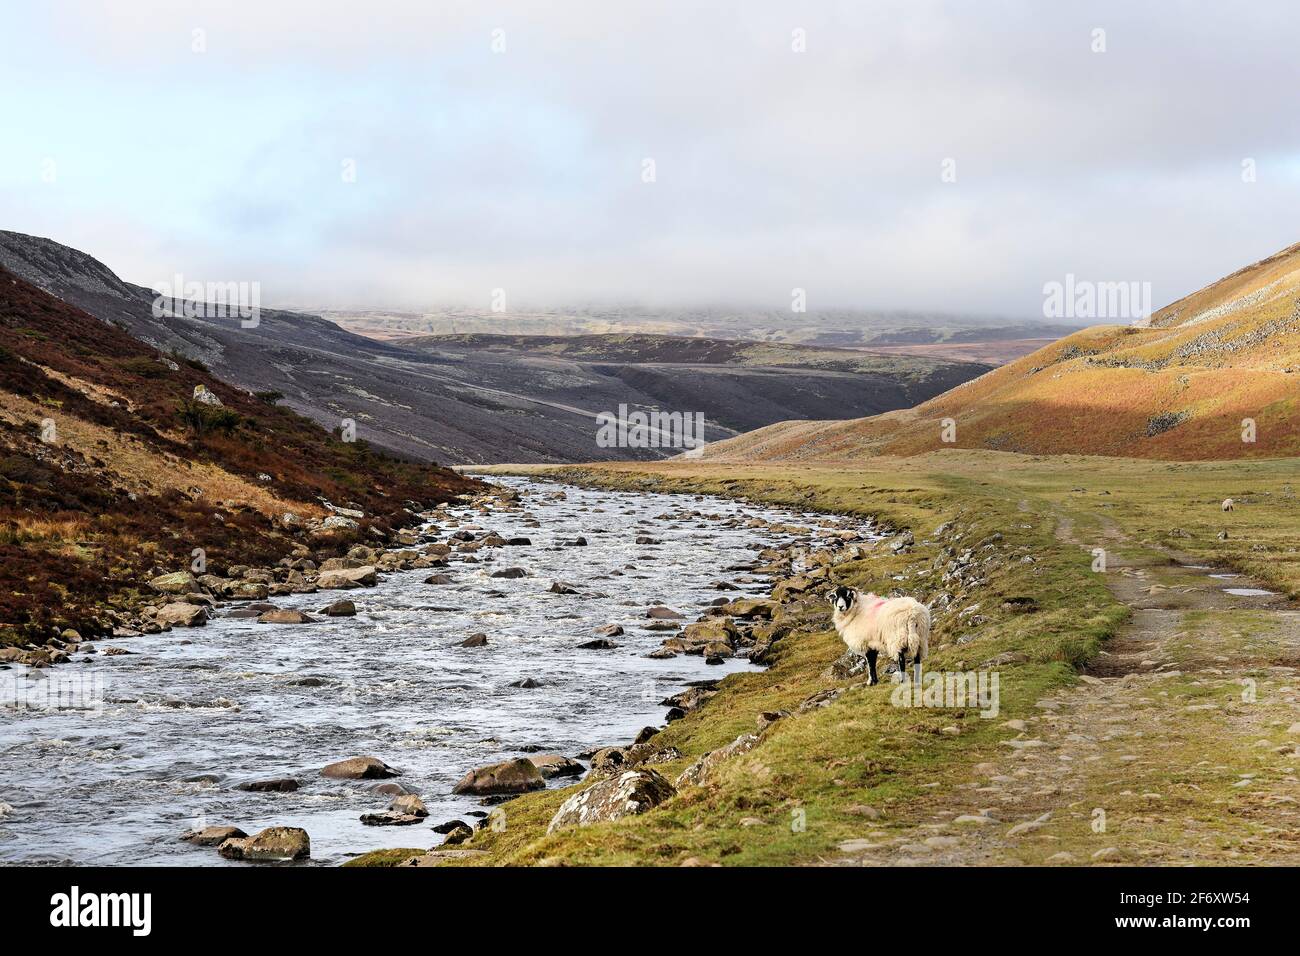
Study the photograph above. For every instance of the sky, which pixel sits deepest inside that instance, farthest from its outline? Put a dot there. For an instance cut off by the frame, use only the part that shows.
(933, 156)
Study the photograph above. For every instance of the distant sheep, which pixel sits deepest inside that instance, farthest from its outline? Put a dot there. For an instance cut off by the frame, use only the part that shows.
(1228, 504)
(870, 625)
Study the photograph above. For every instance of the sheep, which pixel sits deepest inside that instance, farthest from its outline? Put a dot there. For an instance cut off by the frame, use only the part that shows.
(1228, 504)
(868, 624)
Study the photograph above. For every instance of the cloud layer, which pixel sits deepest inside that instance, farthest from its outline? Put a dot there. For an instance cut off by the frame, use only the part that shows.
(521, 168)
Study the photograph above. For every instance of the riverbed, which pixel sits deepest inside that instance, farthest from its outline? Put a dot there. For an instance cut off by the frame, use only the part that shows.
(186, 716)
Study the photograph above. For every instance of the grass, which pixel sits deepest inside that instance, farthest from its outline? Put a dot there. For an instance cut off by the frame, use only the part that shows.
(808, 780)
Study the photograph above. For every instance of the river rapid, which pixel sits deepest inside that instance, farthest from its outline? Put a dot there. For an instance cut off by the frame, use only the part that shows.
(188, 715)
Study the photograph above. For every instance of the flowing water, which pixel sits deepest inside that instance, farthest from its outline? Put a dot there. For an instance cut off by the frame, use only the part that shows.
(190, 714)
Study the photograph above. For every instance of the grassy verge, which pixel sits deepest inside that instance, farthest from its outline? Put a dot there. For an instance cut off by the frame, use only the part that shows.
(807, 786)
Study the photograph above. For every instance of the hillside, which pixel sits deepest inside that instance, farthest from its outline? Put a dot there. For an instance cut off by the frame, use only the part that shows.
(114, 469)
(1177, 387)
(458, 403)
(737, 385)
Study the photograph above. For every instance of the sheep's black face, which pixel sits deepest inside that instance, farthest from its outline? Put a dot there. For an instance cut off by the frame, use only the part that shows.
(841, 598)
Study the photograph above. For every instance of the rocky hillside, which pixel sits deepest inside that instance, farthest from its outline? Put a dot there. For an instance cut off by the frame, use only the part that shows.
(1186, 385)
(736, 385)
(460, 403)
(118, 461)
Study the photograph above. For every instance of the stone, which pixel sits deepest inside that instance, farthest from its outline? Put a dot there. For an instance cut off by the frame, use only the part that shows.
(341, 579)
(212, 836)
(510, 573)
(391, 818)
(457, 834)
(438, 579)
(508, 777)
(474, 640)
(178, 582)
(284, 616)
(610, 630)
(556, 765)
(409, 803)
(527, 683)
(661, 613)
(273, 843)
(599, 644)
(750, 608)
(698, 772)
(342, 608)
(560, 587)
(630, 792)
(182, 615)
(359, 768)
(278, 785)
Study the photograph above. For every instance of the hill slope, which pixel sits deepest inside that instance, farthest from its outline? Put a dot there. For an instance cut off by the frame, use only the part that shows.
(1177, 387)
(111, 471)
(737, 386)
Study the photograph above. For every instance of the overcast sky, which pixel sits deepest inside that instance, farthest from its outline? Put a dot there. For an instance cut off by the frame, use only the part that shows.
(773, 169)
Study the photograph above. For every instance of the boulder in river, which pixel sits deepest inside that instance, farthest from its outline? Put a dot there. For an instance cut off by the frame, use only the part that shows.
(610, 630)
(439, 579)
(277, 785)
(474, 640)
(628, 793)
(409, 803)
(212, 836)
(557, 765)
(661, 613)
(273, 843)
(510, 573)
(182, 615)
(359, 768)
(561, 587)
(526, 682)
(284, 616)
(345, 578)
(599, 644)
(344, 608)
(457, 834)
(509, 777)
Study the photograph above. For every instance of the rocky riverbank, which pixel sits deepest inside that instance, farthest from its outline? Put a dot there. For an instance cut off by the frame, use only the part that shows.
(646, 618)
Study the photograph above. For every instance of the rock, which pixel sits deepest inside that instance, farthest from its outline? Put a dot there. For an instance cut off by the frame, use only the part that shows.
(698, 772)
(608, 760)
(661, 613)
(474, 640)
(341, 579)
(246, 591)
(527, 683)
(273, 843)
(631, 792)
(439, 579)
(344, 608)
(599, 644)
(510, 573)
(1107, 853)
(645, 735)
(449, 826)
(508, 777)
(284, 616)
(409, 803)
(518, 542)
(560, 587)
(206, 396)
(70, 636)
(174, 583)
(851, 664)
(457, 834)
(278, 785)
(751, 608)
(391, 818)
(555, 765)
(213, 836)
(182, 615)
(610, 630)
(359, 768)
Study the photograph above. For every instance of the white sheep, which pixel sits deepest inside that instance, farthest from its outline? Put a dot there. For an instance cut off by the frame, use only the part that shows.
(1228, 504)
(870, 625)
